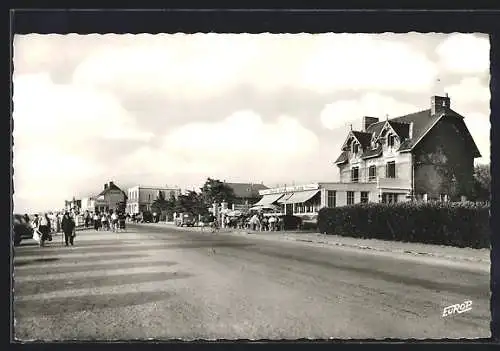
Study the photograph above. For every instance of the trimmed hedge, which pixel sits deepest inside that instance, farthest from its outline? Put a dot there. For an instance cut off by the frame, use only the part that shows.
(454, 224)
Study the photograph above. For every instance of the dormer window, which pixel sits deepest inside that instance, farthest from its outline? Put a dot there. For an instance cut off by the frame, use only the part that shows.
(391, 140)
(355, 148)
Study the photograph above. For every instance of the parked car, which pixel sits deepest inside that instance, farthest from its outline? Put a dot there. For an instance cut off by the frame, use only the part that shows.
(22, 229)
(185, 219)
(147, 217)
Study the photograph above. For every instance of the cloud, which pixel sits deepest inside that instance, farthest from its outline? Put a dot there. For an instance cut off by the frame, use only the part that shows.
(45, 174)
(479, 126)
(53, 125)
(469, 90)
(365, 62)
(240, 144)
(464, 53)
(340, 113)
(205, 65)
(42, 108)
(185, 66)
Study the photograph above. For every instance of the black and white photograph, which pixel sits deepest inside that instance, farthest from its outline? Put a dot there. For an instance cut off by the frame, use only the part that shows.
(251, 186)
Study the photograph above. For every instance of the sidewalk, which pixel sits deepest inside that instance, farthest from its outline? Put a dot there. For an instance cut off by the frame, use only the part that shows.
(481, 256)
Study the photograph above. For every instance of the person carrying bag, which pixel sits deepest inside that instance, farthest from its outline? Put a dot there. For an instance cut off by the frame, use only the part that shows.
(44, 229)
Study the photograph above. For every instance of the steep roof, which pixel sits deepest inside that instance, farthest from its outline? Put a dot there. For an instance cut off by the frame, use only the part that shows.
(363, 138)
(422, 123)
(402, 129)
(342, 158)
(246, 190)
(111, 186)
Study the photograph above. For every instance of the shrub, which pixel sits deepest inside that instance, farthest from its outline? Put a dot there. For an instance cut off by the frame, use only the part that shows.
(312, 226)
(455, 224)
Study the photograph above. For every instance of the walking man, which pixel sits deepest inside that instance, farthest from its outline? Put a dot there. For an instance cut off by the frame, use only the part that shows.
(68, 227)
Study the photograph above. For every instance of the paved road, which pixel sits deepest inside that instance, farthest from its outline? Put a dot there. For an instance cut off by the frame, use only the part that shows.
(156, 282)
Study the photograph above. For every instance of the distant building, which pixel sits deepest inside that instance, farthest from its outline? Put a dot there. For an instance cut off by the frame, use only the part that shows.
(88, 204)
(73, 205)
(140, 198)
(245, 193)
(109, 198)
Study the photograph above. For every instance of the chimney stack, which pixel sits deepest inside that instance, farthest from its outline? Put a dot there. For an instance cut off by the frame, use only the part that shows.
(105, 186)
(368, 121)
(439, 104)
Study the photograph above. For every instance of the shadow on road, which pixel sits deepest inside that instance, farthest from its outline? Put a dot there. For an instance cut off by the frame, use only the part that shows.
(73, 304)
(24, 262)
(25, 288)
(64, 269)
(37, 260)
(472, 290)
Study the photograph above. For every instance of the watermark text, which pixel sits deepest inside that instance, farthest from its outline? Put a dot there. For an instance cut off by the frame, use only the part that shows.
(457, 308)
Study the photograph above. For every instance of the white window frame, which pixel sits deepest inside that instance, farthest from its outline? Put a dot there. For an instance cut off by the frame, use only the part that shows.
(331, 194)
(348, 197)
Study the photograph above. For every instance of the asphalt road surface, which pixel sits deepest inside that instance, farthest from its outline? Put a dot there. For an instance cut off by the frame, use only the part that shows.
(161, 283)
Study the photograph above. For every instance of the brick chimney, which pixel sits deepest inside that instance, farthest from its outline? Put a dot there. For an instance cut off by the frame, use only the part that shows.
(439, 104)
(105, 186)
(368, 121)
(111, 184)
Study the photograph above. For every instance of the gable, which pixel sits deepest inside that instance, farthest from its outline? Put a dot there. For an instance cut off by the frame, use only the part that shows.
(362, 138)
(348, 141)
(449, 130)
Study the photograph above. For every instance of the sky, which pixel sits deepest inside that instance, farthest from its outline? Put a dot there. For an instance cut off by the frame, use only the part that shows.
(174, 109)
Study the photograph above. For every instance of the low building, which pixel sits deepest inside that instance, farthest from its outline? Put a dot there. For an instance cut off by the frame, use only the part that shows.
(306, 200)
(141, 198)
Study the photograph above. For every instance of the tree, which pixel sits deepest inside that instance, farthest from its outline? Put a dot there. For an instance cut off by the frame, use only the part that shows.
(216, 191)
(192, 202)
(481, 182)
(159, 203)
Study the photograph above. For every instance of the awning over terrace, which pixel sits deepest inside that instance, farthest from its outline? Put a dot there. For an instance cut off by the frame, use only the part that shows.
(284, 199)
(268, 199)
(300, 197)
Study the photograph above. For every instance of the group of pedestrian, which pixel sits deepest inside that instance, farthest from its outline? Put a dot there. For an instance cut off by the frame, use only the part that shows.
(44, 226)
(256, 222)
(109, 221)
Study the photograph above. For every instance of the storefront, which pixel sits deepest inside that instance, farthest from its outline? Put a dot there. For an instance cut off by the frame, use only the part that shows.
(305, 201)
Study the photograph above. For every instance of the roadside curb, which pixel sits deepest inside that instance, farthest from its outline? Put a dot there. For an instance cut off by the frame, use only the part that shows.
(324, 241)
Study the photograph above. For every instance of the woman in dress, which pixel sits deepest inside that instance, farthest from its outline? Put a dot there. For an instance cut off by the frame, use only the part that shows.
(44, 229)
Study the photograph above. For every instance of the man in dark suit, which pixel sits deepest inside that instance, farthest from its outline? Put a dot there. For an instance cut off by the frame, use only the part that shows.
(68, 226)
